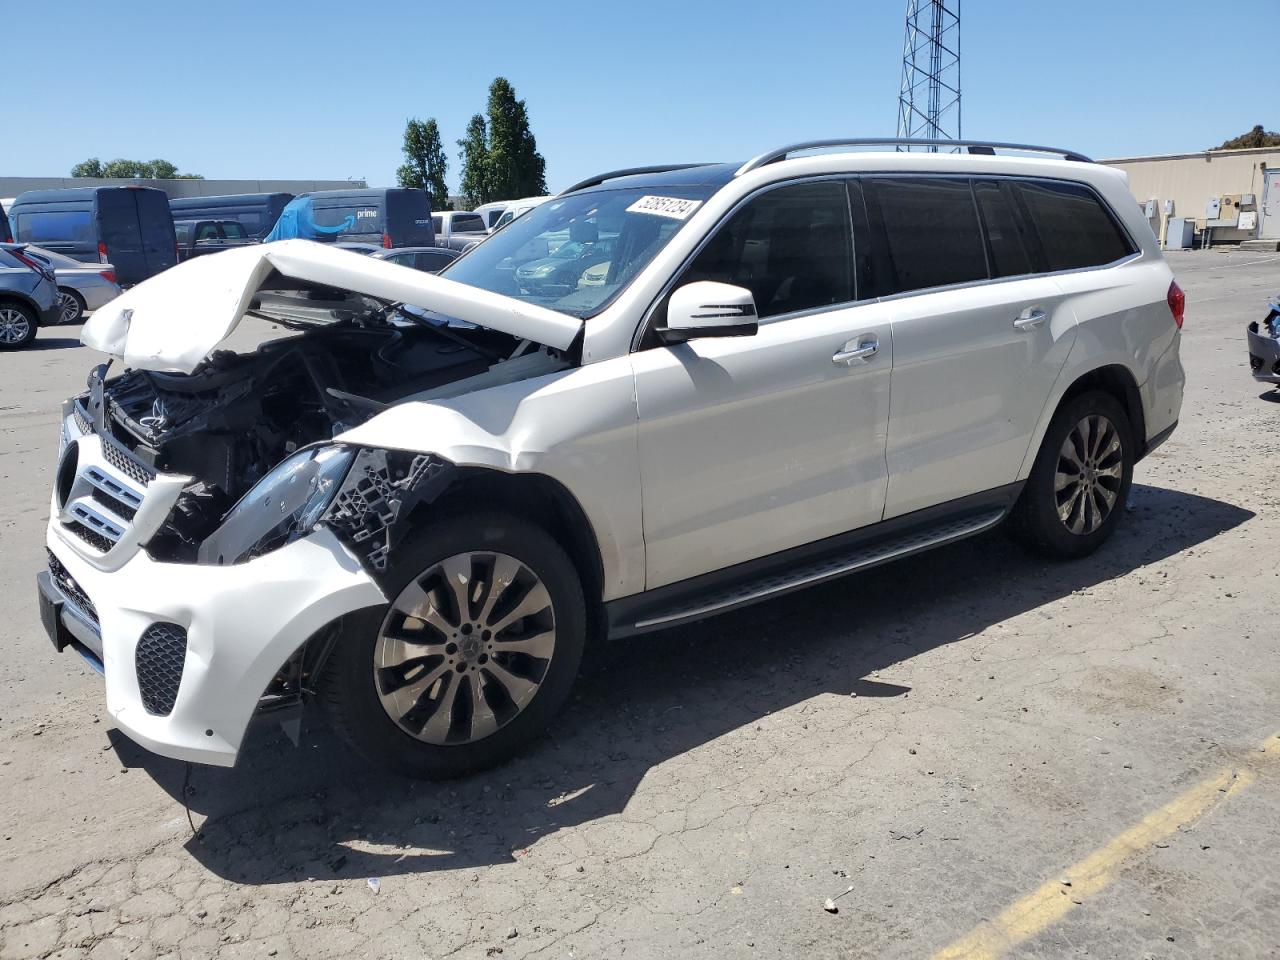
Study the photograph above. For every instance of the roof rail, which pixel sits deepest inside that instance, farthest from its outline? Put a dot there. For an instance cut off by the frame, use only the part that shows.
(971, 146)
(627, 172)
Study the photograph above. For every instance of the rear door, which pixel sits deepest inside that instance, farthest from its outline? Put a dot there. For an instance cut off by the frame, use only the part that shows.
(408, 218)
(116, 216)
(979, 335)
(155, 227)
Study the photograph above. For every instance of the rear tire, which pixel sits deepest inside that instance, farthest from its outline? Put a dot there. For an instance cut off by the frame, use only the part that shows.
(481, 671)
(72, 306)
(18, 324)
(1079, 484)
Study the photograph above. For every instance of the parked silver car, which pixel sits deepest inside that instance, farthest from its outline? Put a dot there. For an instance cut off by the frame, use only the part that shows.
(82, 287)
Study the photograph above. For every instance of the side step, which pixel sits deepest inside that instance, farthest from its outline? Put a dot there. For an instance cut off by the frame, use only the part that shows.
(816, 571)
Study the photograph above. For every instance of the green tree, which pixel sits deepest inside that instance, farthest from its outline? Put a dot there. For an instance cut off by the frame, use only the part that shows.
(1257, 137)
(425, 162)
(515, 167)
(87, 168)
(475, 163)
(129, 169)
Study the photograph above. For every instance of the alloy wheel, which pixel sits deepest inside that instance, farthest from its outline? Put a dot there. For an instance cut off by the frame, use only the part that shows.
(15, 326)
(69, 307)
(464, 648)
(1089, 474)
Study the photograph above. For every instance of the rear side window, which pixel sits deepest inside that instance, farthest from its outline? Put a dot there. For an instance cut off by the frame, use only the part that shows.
(56, 225)
(1012, 245)
(931, 230)
(1075, 229)
(431, 262)
(791, 247)
(467, 223)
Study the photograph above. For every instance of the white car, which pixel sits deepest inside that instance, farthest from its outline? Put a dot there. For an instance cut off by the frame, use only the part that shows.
(792, 369)
(518, 208)
(490, 212)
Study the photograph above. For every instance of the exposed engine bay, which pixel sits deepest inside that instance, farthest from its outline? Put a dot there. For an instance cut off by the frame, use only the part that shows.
(238, 415)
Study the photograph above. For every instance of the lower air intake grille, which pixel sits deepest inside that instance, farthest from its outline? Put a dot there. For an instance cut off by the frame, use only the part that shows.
(158, 660)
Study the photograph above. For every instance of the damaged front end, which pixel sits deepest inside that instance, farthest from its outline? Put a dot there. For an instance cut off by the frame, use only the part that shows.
(1264, 345)
(221, 509)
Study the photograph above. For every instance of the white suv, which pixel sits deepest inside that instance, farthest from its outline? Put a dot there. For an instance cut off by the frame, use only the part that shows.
(783, 372)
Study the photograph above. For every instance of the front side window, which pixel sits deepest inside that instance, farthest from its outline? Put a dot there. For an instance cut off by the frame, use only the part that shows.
(791, 247)
(469, 223)
(1074, 227)
(931, 230)
(614, 234)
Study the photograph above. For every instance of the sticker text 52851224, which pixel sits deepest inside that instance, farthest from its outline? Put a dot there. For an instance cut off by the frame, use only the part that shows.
(672, 207)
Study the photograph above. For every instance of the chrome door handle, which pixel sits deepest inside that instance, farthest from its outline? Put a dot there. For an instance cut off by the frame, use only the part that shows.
(856, 350)
(1029, 319)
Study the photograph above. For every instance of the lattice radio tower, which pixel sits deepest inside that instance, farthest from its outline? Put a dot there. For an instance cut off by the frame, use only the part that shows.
(929, 101)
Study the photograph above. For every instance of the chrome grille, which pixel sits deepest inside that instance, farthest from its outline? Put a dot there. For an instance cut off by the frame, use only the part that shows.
(122, 461)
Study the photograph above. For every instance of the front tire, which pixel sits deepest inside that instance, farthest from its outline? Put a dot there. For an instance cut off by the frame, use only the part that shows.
(1079, 484)
(476, 652)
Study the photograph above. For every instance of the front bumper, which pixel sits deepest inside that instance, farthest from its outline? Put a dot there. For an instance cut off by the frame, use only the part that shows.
(1264, 354)
(241, 624)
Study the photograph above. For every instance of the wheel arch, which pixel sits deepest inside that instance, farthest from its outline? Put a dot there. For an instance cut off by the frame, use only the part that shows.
(542, 500)
(1118, 381)
(1115, 379)
(21, 300)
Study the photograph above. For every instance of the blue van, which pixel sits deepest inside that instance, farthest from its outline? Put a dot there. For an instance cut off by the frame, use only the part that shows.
(128, 227)
(6, 235)
(393, 217)
(256, 212)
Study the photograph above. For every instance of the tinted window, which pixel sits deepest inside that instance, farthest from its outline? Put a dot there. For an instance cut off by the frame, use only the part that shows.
(233, 230)
(207, 231)
(1008, 237)
(931, 229)
(74, 225)
(437, 222)
(1075, 229)
(182, 230)
(791, 247)
(431, 262)
(467, 223)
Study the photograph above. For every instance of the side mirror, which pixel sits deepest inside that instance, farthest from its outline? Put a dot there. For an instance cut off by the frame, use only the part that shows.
(709, 309)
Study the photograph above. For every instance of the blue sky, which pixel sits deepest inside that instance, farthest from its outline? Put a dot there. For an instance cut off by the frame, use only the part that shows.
(321, 90)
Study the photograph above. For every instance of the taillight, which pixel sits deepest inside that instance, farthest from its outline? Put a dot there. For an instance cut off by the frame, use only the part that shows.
(102, 253)
(1177, 303)
(108, 275)
(386, 241)
(33, 264)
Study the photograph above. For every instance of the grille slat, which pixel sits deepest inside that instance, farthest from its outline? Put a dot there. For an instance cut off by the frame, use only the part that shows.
(158, 660)
(70, 589)
(131, 468)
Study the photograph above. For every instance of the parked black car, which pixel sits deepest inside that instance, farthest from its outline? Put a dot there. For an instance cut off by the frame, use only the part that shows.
(256, 212)
(197, 237)
(129, 227)
(427, 259)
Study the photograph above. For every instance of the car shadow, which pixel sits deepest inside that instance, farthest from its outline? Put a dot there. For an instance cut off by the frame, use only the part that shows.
(286, 814)
(52, 343)
(1272, 395)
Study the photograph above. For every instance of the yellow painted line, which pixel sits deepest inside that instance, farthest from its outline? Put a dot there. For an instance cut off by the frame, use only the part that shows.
(1053, 900)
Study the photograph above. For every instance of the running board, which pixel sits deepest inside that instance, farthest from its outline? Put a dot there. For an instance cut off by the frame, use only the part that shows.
(815, 572)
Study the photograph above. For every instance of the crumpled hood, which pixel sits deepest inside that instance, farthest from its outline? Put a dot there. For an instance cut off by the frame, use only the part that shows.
(173, 321)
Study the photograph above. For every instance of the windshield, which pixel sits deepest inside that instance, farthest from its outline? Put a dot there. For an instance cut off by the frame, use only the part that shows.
(600, 238)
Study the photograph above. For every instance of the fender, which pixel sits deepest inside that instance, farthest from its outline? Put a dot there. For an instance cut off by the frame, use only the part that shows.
(577, 426)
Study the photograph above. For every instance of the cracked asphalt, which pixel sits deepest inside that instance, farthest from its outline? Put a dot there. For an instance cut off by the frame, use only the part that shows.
(929, 742)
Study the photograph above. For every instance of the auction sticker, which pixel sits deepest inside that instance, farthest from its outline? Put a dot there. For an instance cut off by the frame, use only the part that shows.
(672, 207)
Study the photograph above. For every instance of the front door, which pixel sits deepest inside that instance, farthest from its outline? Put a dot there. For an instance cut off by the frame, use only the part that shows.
(752, 445)
(1271, 206)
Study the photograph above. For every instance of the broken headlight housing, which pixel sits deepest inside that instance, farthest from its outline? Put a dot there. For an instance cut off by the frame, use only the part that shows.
(283, 506)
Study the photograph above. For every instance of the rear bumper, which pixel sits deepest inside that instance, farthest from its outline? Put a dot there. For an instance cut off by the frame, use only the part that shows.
(239, 625)
(1264, 354)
